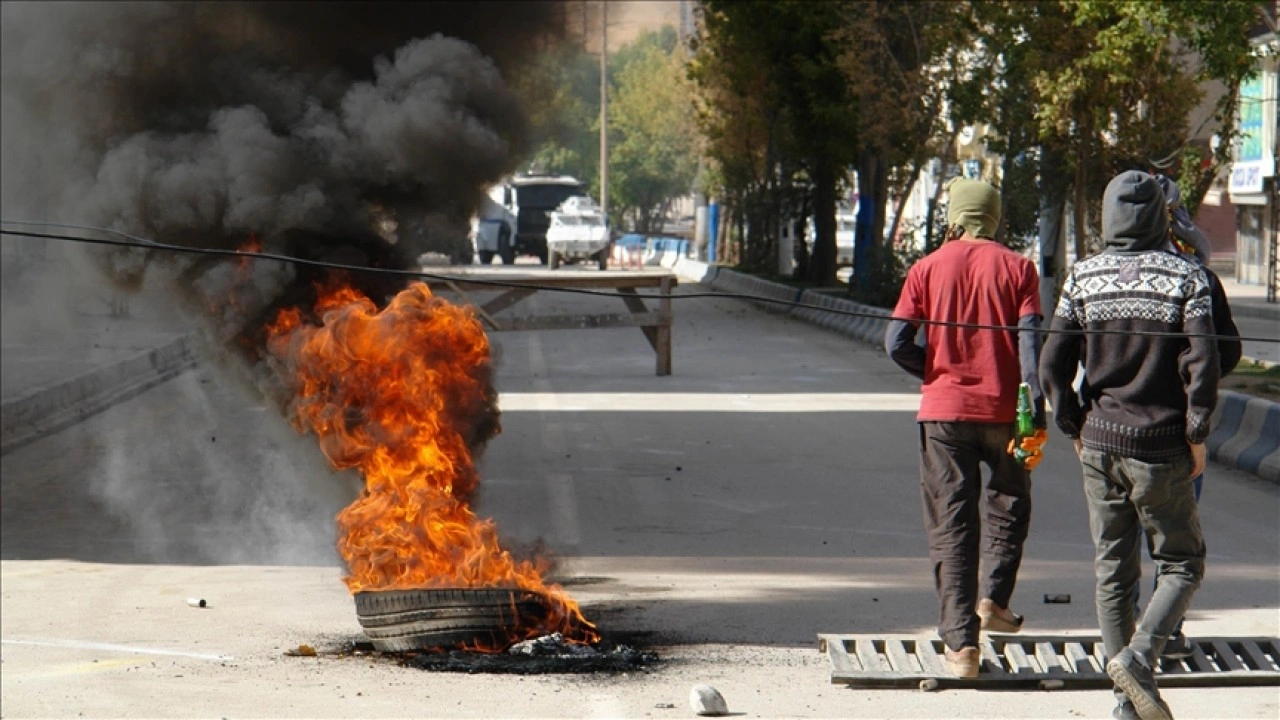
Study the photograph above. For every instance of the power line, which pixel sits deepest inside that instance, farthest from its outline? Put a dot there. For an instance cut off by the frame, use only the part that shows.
(136, 242)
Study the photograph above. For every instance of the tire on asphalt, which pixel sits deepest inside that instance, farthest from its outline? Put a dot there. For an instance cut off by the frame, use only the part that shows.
(486, 257)
(400, 620)
(603, 259)
(553, 259)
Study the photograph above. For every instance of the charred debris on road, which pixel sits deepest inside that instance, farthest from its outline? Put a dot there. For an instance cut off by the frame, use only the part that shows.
(546, 655)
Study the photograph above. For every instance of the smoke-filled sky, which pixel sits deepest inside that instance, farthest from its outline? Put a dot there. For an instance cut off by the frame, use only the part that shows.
(199, 123)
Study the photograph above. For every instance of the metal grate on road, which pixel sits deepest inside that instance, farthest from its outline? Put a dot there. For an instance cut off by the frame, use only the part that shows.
(1046, 662)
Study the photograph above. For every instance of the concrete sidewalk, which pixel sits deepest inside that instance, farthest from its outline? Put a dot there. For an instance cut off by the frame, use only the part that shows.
(1250, 300)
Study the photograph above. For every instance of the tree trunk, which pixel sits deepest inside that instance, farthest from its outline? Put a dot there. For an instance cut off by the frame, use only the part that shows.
(902, 202)
(822, 264)
(1053, 196)
(1080, 198)
(740, 245)
(880, 188)
(864, 239)
(948, 155)
(1006, 163)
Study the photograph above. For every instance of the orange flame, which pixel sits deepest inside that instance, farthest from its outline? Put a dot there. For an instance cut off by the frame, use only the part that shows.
(400, 395)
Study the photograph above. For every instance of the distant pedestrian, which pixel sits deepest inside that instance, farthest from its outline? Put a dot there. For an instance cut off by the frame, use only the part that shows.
(1139, 423)
(967, 410)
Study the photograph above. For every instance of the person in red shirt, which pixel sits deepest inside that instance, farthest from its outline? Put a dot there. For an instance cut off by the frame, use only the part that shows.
(967, 413)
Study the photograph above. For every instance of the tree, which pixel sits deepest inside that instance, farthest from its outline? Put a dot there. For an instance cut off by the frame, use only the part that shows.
(903, 62)
(737, 104)
(561, 89)
(1070, 92)
(1218, 32)
(1116, 81)
(770, 87)
(651, 130)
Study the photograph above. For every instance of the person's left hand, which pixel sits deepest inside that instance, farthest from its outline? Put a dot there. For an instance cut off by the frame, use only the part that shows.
(1199, 456)
(1032, 447)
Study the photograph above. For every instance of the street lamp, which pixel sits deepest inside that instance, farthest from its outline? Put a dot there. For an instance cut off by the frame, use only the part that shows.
(604, 109)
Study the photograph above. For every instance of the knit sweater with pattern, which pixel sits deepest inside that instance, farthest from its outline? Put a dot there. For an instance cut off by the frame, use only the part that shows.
(1144, 396)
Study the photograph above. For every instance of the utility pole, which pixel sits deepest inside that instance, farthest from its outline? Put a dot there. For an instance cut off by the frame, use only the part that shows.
(604, 109)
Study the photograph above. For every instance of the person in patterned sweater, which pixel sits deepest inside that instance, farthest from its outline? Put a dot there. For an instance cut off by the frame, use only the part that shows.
(1139, 316)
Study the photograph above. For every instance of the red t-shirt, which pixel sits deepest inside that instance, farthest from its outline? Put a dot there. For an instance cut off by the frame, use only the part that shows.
(969, 374)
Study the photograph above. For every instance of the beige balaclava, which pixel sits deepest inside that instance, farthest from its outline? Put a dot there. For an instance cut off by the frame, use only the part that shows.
(974, 206)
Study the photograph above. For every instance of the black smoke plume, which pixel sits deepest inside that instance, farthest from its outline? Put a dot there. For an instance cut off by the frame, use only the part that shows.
(360, 132)
(357, 132)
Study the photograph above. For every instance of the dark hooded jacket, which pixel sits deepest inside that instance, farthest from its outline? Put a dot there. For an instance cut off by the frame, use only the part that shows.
(1146, 395)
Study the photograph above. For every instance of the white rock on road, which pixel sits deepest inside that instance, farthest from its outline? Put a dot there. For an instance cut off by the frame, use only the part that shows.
(706, 700)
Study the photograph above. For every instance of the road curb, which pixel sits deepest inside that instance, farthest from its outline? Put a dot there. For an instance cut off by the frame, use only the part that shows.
(868, 325)
(1246, 429)
(1246, 434)
(56, 407)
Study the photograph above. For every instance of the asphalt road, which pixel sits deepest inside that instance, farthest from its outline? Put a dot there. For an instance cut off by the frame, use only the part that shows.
(722, 516)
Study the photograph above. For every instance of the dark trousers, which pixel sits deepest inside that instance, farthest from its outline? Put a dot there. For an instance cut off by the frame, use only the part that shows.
(951, 459)
(1127, 497)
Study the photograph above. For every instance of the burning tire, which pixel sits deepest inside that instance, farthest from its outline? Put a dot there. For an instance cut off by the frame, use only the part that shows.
(490, 618)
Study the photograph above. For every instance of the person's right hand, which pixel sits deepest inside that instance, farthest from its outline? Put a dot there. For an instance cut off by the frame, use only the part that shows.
(1079, 446)
(1199, 455)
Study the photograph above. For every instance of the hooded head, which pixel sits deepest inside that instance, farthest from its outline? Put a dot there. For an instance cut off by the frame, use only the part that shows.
(1134, 216)
(1186, 236)
(974, 206)
(1172, 195)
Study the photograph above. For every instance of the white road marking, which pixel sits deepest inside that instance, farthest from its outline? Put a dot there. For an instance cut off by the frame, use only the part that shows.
(709, 402)
(112, 647)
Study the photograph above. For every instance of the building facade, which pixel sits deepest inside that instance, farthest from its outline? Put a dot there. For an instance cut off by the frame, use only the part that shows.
(1253, 183)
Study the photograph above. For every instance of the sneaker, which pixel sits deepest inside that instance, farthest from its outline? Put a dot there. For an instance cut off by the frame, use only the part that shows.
(1178, 647)
(1138, 682)
(963, 663)
(997, 619)
(1125, 711)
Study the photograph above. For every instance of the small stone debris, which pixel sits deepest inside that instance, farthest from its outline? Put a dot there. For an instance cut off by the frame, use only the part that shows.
(706, 700)
(665, 706)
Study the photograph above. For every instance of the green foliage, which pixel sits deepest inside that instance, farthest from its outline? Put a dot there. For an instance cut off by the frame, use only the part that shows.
(774, 109)
(1107, 83)
(652, 153)
(561, 89)
(1069, 92)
